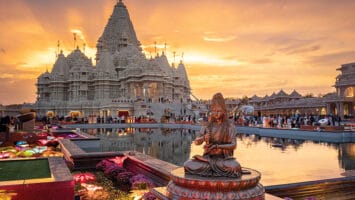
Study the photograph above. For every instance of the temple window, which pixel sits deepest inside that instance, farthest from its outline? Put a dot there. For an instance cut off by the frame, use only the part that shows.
(349, 92)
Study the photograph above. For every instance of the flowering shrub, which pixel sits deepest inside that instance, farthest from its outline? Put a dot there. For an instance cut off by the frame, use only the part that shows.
(103, 164)
(123, 181)
(140, 182)
(111, 171)
(102, 188)
(84, 177)
(119, 160)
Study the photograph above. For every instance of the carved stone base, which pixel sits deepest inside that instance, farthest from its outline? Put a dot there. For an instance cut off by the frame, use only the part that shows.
(183, 186)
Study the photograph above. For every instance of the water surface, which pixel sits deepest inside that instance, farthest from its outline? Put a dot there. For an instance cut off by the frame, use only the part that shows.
(280, 161)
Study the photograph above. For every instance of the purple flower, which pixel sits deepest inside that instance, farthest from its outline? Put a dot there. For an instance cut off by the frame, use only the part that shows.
(113, 170)
(123, 181)
(103, 164)
(149, 196)
(140, 181)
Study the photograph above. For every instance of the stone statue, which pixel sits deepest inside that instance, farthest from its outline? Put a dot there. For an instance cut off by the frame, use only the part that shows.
(219, 137)
(216, 174)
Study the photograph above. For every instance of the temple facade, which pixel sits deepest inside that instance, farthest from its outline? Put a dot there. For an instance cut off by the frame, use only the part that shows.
(281, 103)
(341, 103)
(120, 83)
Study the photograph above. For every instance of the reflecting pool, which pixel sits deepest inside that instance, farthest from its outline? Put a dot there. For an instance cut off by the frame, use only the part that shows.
(279, 160)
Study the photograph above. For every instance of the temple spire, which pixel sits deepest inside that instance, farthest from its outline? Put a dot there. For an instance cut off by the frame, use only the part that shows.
(119, 31)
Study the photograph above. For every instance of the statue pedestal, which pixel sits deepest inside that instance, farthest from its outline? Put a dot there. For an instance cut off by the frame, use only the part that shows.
(184, 186)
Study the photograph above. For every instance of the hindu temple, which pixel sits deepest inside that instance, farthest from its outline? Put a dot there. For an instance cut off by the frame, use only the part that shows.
(121, 77)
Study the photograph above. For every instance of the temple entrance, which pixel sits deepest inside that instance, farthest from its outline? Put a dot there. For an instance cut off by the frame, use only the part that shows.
(124, 113)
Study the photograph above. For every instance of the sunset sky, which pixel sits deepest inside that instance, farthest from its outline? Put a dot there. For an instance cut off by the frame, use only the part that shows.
(237, 47)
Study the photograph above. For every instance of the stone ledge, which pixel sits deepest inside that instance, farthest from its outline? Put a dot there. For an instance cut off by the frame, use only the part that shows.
(157, 170)
(161, 194)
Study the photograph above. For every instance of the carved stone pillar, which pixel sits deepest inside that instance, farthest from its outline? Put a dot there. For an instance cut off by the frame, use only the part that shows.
(337, 108)
(145, 90)
(341, 110)
(328, 108)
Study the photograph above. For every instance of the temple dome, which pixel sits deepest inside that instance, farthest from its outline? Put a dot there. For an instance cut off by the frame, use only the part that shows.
(44, 78)
(181, 70)
(128, 55)
(78, 59)
(162, 63)
(45, 75)
(60, 67)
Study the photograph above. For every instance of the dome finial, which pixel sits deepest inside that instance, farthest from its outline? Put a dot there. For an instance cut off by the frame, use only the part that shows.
(74, 34)
(58, 44)
(174, 57)
(155, 46)
(165, 48)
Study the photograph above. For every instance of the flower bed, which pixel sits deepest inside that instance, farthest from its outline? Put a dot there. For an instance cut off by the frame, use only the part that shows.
(112, 181)
(25, 145)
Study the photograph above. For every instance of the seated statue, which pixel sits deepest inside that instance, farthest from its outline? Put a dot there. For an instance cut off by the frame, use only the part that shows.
(219, 136)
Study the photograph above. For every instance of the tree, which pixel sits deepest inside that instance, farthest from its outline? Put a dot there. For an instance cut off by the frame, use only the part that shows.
(309, 95)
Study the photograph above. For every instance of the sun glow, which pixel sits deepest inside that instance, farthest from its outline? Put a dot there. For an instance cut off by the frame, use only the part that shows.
(150, 50)
(87, 50)
(207, 59)
(40, 58)
(43, 60)
(78, 32)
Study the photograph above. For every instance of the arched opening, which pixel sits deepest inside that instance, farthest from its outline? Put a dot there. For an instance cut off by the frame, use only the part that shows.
(349, 92)
(153, 88)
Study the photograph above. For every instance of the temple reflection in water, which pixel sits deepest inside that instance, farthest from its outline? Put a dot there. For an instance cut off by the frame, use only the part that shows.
(280, 160)
(346, 156)
(172, 145)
